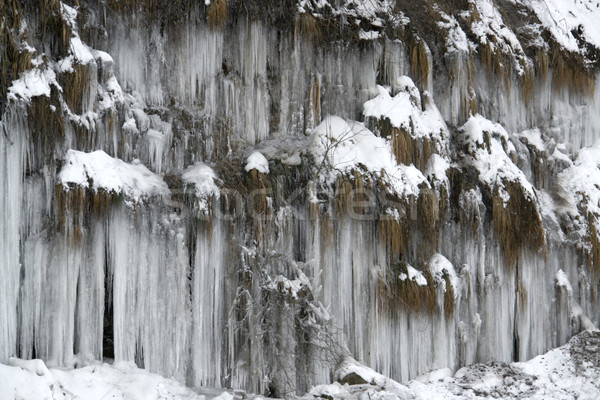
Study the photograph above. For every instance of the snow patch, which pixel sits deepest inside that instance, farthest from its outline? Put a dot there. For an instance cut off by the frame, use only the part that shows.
(32, 380)
(562, 17)
(98, 170)
(258, 162)
(438, 265)
(489, 150)
(349, 145)
(405, 110)
(413, 275)
(32, 83)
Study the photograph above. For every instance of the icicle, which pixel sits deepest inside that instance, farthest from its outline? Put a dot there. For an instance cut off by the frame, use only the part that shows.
(13, 138)
(208, 305)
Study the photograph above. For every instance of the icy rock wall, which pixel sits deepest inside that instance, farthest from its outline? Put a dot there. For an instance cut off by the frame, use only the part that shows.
(249, 290)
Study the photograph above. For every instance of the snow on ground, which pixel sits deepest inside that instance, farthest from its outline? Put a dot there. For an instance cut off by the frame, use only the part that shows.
(568, 372)
(98, 170)
(32, 380)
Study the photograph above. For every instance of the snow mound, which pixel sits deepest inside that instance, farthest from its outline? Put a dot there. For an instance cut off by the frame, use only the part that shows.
(203, 178)
(486, 147)
(32, 83)
(405, 110)
(98, 170)
(349, 146)
(440, 265)
(31, 380)
(258, 162)
(568, 372)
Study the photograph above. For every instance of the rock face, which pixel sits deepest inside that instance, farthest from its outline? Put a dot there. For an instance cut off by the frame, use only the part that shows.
(243, 194)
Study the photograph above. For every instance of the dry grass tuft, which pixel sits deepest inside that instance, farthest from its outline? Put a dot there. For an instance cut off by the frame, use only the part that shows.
(76, 87)
(428, 221)
(419, 58)
(449, 297)
(569, 70)
(407, 149)
(394, 294)
(394, 234)
(517, 223)
(594, 242)
(54, 28)
(542, 64)
(307, 26)
(528, 84)
(13, 60)
(217, 13)
(46, 124)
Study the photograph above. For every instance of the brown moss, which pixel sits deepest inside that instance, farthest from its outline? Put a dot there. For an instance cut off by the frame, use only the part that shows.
(307, 26)
(528, 84)
(13, 60)
(541, 64)
(449, 297)
(327, 229)
(407, 149)
(315, 99)
(71, 212)
(167, 13)
(419, 59)
(395, 294)
(76, 86)
(353, 196)
(517, 223)
(217, 13)
(496, 62)
(258, 207)
(569, 70)
(594, 242)
(102, 201)
(394, 235)
(428, 221)
(77, 207)
(469, 98)
(46, 125)
(53, 27)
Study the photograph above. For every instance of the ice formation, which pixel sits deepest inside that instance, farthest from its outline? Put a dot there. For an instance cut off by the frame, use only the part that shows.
(221, 198)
